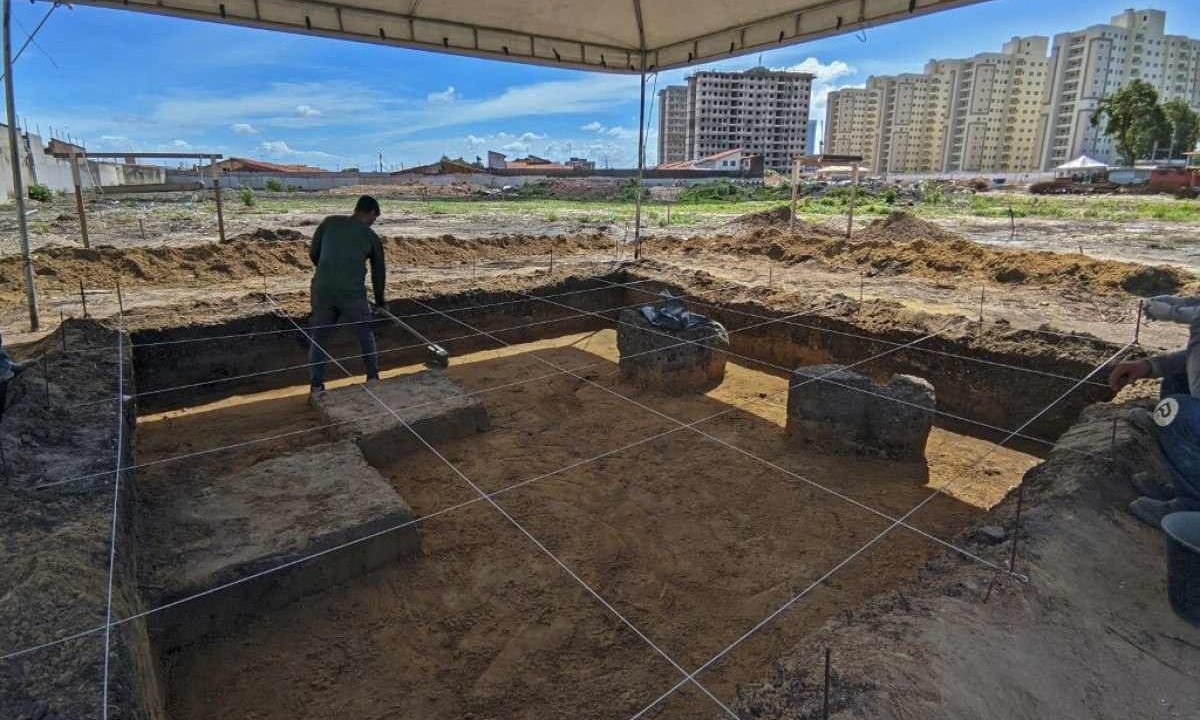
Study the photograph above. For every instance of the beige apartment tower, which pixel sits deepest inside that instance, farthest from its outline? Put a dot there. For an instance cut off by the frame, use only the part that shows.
(1088, 64)
(851, 123)
(672, 124)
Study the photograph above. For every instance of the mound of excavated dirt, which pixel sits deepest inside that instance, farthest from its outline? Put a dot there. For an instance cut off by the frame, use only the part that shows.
(268, 235)
(252, 255)
(772, 216)
(942, 256)
(902, 226)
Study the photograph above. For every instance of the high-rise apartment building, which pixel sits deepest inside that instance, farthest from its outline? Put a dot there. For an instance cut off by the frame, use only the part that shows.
(814, 137)
(761, 111)
(1088, 64)
(1014, 110)
(994, 108)
(851, 123)
(672, 124)
(911, 131)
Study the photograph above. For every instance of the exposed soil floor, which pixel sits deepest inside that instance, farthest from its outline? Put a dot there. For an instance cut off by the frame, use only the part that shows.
(689, 539)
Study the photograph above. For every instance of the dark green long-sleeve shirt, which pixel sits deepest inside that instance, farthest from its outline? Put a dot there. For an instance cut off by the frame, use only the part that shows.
(340, 249)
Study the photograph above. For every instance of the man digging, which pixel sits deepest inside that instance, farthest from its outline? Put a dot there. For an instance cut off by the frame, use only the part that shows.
(340, 249)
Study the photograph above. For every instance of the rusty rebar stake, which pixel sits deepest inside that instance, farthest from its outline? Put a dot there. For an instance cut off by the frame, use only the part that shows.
(83, 298)
(1137, 323)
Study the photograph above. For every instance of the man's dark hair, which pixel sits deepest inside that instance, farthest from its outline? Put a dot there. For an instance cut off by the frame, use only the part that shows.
(367, 204)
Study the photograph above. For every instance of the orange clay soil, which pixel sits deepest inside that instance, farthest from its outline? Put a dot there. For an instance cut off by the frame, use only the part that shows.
(692, 541)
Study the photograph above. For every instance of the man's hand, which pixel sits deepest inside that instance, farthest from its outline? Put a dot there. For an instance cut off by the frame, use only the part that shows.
(1128, 371)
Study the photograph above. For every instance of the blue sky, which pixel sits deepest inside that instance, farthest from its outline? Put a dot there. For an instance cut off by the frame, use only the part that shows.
(121, 80)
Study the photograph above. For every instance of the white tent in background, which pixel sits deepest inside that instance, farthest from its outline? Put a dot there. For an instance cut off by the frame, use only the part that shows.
(1084, 164)
(1083, 168)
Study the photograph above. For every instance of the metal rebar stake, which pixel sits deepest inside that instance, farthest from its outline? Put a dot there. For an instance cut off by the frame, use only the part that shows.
(120, 300)
(1137, 323)
(83, 298)
(62, 330)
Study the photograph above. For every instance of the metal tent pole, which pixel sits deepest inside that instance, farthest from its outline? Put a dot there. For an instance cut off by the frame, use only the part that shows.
(637, 213)
(15, 156)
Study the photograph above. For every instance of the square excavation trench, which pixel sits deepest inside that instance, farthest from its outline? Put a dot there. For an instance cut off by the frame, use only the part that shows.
(460, 614)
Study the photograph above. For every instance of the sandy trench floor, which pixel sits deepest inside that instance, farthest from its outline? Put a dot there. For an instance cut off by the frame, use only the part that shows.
(692, 541)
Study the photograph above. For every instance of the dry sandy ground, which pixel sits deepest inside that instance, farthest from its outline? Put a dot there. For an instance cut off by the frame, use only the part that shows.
(690, 540)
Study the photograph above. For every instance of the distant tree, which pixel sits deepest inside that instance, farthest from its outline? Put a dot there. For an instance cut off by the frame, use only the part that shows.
(1185, 126)
(1134, 120)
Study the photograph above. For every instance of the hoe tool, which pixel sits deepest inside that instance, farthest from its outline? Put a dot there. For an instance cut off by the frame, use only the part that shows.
(437, 358)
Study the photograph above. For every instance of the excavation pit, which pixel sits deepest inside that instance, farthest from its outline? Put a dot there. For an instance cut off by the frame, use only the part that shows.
(694, 514)
(428, 403)
(694, 541)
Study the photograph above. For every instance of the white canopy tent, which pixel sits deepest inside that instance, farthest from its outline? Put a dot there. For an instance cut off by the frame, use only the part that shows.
(624, 36)
(1082, 164)
(602, 35)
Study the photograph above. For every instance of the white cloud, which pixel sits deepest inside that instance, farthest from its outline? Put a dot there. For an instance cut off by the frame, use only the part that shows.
(825, 77)
(531, 136)
(622, 133)
(444, 97)
(180, 144)
(593, 126)
(280, 149)
(516, 147)
(822, 72)
(307, 111)
(243, 129)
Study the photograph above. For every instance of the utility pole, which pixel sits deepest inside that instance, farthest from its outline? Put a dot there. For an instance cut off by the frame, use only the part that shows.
(380, 161)
(18, 185)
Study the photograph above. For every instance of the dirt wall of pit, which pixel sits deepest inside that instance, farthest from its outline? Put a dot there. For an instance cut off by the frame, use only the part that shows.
(1000, 378)
(1040, 367)
(54, 561)
(165, 358)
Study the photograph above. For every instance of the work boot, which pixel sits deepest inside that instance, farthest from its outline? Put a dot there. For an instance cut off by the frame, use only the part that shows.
(1151, 485)
(1151, 511)
(1143, 420)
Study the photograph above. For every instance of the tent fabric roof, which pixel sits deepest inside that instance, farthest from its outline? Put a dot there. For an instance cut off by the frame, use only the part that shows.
(590, 34)
(1083, 162)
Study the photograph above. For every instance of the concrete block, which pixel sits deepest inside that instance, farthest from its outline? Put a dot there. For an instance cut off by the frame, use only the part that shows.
(844, 411)
(430, 402)
(665, 360)
(236, 525)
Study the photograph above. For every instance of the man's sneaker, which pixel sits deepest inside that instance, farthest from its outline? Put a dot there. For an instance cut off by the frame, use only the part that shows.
(1151, 485)
(316, 389)
(1151, 511)
(1173, 308)
(1143, 420)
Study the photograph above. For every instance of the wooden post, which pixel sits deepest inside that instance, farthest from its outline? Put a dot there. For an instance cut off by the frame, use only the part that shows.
(669, 203)
(853, 199)
(795, 191)
(641, 166)
(216, 178)
(18, 183)
(75, 178)
(142, 228)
